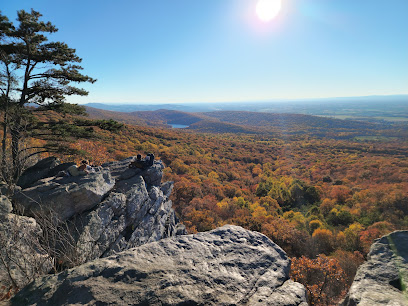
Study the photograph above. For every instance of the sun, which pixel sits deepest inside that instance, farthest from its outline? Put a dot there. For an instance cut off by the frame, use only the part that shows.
(268, 9)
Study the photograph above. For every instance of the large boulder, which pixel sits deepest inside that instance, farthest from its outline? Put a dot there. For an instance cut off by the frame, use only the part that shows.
(65, 196)
(39, 171)
(131, 215)
(383, 279)
(227, 266)
(114, 209)
(23, 258)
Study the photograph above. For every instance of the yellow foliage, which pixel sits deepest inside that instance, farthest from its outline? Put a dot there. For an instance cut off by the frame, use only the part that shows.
(223, 203)
(296, 218)
(315, 224)
(259, 212)
(213, 175)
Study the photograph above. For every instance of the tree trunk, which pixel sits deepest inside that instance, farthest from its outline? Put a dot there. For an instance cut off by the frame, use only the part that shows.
(15, 149)
(4, 146)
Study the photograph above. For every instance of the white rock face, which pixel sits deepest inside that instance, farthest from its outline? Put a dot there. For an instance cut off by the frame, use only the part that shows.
(383, 279)
(227, 266)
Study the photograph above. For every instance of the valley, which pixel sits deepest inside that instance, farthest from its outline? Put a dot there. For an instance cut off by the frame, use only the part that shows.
(316, 187)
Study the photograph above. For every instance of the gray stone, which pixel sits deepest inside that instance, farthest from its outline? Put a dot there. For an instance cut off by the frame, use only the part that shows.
(383, 279)
(151, 175)
(111, 210)
(38, 171)
(130, 216)
(23, 258)
(154, 174)
(65, 196)
(5, 205)
(61, 167)
(227, 266)
(167, 188)
(100, 228)
(120, 169)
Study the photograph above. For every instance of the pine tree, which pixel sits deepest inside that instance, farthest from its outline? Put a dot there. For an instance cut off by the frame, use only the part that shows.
(36, 75)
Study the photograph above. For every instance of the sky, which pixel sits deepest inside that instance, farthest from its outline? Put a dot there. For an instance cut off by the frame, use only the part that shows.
(177, 51)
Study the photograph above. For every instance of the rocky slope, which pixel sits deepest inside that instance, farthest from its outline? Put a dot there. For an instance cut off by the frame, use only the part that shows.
(21, 258)
(227, 266)
(383, 279)
(111, 210)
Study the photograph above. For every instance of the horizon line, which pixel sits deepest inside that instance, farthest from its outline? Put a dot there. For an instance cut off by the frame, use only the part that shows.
(249, 101)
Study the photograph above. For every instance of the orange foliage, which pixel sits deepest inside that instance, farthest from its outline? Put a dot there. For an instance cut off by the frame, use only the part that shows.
(95, 152)
(310, 195)
(323, 240)
(340, 193)
(323, 278)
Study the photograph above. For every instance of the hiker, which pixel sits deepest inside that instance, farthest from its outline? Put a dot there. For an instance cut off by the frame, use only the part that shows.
(88, 168)
(138, 163)
(77, 171)
(151, 159)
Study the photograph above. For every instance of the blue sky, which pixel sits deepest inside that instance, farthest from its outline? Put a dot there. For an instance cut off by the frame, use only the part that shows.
(161, 51)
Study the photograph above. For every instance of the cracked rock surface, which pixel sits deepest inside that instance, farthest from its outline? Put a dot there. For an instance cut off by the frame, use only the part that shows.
(111, 210)
(383, 279)
(227, 266)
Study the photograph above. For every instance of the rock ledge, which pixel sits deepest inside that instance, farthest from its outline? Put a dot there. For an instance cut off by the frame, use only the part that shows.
(227, 266)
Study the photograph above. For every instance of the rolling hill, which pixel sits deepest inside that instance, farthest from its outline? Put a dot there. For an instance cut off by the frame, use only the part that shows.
(256, 123)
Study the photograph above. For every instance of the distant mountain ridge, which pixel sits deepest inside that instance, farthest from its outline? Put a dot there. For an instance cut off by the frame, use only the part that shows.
(252, 123)
(355, 106)
(127, 108)
(378, 109)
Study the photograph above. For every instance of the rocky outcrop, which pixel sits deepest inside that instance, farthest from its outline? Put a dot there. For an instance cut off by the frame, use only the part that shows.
(227, 266)
(111, 210)
(133, 214)
(22, 258)
(65, 196)
(383, 279)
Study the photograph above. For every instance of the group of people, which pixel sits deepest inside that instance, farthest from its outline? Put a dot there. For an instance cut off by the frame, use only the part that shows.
(142, 163)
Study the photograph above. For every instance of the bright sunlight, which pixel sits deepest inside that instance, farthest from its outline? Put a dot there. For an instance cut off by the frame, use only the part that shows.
(268, 9)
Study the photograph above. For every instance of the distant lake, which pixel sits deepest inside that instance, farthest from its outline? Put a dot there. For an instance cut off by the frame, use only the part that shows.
(179, 126)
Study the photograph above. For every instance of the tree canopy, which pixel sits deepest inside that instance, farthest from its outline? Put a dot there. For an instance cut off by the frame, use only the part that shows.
(36, 75)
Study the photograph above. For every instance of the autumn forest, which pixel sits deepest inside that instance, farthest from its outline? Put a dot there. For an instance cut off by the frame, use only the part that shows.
(322, 199)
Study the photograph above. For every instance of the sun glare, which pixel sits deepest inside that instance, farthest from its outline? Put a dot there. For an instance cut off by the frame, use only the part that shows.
(268, 9)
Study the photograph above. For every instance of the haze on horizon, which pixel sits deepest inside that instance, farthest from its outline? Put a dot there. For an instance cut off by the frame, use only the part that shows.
(221, 51)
